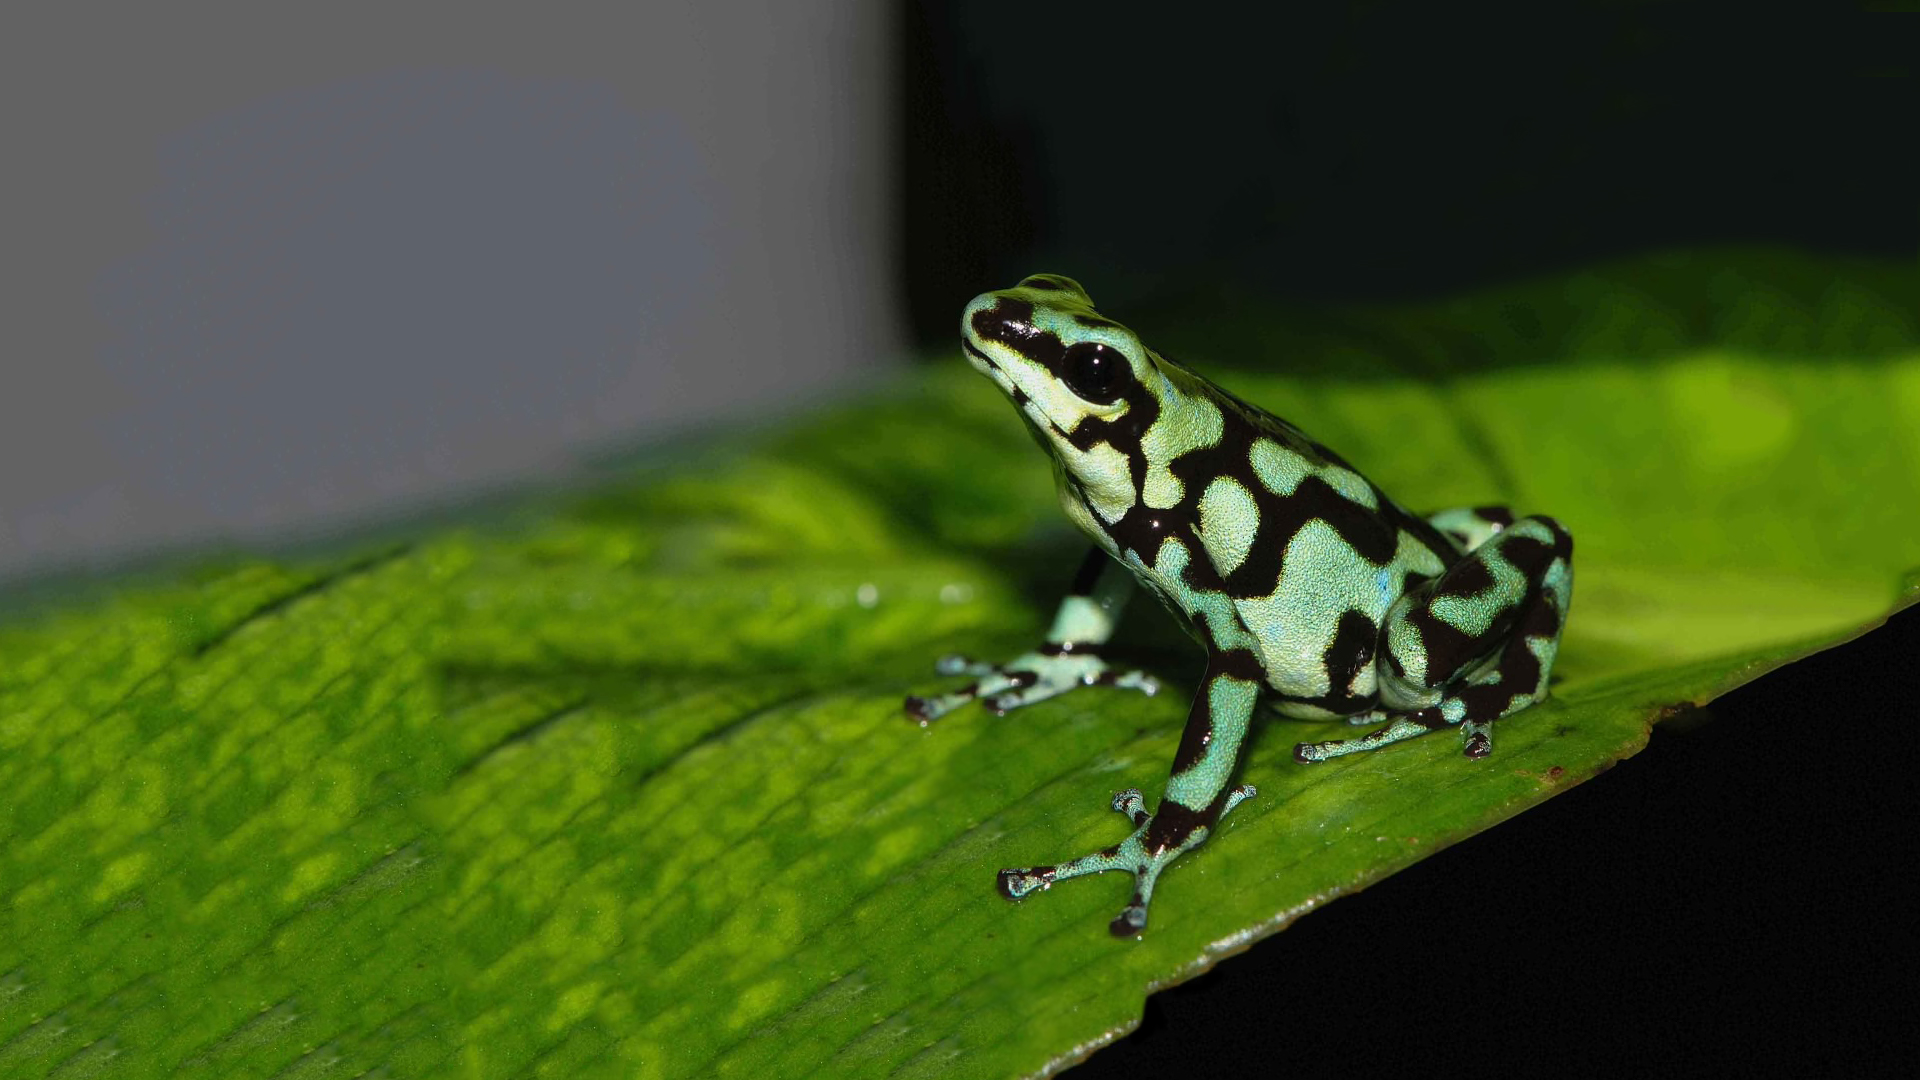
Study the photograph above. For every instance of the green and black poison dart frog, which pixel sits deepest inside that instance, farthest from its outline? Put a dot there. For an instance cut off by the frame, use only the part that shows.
(1305, 583)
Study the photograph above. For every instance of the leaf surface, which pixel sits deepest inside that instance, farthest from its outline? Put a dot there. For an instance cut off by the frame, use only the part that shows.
(619, 784)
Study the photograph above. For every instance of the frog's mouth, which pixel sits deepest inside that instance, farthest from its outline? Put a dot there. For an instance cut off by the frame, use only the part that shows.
(1021, 399)
(998, 373)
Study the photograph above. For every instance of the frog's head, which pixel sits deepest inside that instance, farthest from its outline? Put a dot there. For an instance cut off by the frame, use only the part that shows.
(1084, 383)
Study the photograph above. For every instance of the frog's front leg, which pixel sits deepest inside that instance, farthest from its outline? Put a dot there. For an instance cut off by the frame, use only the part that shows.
(1476, 643)
(1197, 794)
(1069, 659)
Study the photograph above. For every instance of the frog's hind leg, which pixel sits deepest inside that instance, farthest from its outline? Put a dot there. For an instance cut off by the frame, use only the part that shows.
(1476, 643)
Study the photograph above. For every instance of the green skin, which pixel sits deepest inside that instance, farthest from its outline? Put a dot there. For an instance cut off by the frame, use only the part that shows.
(1308, 587)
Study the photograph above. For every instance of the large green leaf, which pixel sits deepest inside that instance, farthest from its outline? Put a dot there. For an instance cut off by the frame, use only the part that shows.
(619, 784)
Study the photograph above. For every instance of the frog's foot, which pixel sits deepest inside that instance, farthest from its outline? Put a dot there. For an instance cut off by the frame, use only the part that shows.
(1477, 735)
(1024, 680)
(1137, 854)
(1402, 726)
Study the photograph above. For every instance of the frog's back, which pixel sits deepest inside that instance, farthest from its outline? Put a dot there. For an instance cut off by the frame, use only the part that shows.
(1294, 479)
(1311, 553)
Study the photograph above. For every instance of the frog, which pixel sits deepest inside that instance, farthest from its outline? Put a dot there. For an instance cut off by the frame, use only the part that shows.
(1313, 594)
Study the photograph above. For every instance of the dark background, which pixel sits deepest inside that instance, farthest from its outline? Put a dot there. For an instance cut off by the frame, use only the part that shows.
(1367, 152)
(1738, 894)
(1736, 899)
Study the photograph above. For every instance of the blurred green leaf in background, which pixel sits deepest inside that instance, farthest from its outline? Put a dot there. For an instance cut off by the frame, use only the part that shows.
(617, 782)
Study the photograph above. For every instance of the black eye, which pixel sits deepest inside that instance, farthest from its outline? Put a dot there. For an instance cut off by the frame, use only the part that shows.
(1098, 373)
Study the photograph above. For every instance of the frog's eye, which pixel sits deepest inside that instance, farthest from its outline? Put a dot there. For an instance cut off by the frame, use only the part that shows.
(1098, 373)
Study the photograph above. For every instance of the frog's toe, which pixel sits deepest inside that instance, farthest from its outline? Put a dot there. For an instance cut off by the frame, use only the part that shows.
(1131, 803)
(1018, 884)
(1002, 704)
(1132, 920)
(926, 710)
(1145, 866)
(1478, 739)
(1127, 680)
(1237, 796)
(955, 664)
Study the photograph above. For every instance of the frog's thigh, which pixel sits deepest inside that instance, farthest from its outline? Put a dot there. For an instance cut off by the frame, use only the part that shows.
(1478, 641)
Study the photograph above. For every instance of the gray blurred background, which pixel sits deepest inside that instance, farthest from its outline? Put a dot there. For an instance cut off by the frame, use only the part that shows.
(270, 272)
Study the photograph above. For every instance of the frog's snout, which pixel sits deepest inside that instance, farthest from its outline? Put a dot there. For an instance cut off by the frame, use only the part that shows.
(999, 318)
